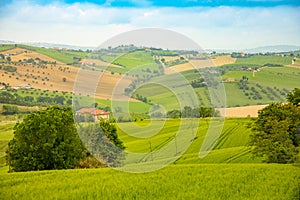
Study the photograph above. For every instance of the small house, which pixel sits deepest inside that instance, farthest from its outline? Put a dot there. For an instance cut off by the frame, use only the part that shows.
(230, 80)
(24, 86)
(94, 112)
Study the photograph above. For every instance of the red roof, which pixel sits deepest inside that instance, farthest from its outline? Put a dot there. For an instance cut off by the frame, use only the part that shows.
(92, 111)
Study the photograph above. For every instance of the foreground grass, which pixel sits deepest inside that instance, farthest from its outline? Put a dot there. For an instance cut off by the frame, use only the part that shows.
(205, 181)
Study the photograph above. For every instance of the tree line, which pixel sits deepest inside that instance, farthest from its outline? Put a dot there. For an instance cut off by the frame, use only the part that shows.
(189, 112)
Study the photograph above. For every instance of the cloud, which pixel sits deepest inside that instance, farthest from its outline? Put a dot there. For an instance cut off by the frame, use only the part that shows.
(90, 24)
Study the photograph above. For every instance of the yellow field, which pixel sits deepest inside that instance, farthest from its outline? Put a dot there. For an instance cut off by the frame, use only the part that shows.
(198, 64)
(170, 58)
(244, 111)
(223, 60)
(21, 54)
(50, 76)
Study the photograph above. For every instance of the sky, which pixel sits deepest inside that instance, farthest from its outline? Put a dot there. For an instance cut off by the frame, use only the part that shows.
(213, 24)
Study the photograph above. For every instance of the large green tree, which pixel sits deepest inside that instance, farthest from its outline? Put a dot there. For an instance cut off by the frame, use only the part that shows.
(275, 131)
(46, 140)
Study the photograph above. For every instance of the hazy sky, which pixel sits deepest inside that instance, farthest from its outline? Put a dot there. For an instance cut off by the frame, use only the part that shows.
(215, 24)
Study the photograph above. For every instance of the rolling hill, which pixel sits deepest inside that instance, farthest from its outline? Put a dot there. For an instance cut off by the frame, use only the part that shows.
(268, 78)
(228, 172)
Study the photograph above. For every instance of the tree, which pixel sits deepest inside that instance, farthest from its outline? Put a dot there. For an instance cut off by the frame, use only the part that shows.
(294, 97)
(102, 142)
(8, 59)
(64, 79)
(46, 140)
(275, 133)
(10, 110)
(59, 100)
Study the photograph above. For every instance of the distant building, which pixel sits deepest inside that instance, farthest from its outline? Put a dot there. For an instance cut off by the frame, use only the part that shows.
(96, 113)
(230, 80)
(24, 86)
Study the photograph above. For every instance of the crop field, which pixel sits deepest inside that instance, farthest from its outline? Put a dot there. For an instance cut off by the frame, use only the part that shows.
(227, 172)
(262, 60)
(134, 59)
(231, 147)
(223, 60)
(97, 62)
(270, 84)
(204, 181)
(6, 133)
(58, 77)
(244, 111)
(183, 180)
(17, 54)
(65, 56)
(270, 76)
(137, 63)
(216, 61)
(5, 47)
(47, 78)
(122, 106)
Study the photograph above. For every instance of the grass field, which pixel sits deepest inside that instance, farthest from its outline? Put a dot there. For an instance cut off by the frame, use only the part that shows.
(5, 47)
(189, 178)
(231, 147)
(65, 56)
(135, 59)
(6, 133)
(271, 83)
(205, 181)
(138, 63)
(261, 60)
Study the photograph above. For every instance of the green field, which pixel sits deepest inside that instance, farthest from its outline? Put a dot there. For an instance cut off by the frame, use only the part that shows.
(231, 147)
(65, 56)
(206, 181)
(5, 47)
(228, 171)
(138, 63)
(134, 59)
(135, 107)
(6, 134)
(262, 60)
(230, 174)
(271, 84)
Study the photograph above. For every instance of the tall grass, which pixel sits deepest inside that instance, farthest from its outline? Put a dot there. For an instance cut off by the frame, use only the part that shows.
(206, 181)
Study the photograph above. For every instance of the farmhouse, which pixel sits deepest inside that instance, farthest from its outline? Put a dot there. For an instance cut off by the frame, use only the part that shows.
(24, 86)
(96, 113)
(230, 80)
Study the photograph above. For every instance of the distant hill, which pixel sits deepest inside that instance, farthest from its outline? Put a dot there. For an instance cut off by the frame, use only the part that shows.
(274, 48)
(48, 45)
(262, 49)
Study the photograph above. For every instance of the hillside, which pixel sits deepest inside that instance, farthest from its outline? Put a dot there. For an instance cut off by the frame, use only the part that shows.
(32, 66)
(231, 147)
(248, 79)
(185, 179)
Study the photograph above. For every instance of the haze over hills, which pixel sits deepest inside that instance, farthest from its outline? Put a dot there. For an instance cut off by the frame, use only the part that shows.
(260, 49)
(48, 45)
